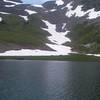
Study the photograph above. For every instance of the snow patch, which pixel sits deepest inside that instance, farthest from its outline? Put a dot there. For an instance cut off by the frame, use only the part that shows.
(59, 2)
(28, 52)
(97, 55)
(77, 12)
(24, 17)
(40, 6)
(4, 13)
(16, 3)
(52, 10)
(9, 5)
(69, 6)
(1, 19)
(92, 14)
(30, 11)
(56, 37)
(60, 49)
(64, 25)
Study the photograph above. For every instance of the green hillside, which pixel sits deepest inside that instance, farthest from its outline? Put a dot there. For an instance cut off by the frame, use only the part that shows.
(15, 30)
(85, 36)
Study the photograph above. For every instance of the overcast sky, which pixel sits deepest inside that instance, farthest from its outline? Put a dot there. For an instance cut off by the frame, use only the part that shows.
(34, 1)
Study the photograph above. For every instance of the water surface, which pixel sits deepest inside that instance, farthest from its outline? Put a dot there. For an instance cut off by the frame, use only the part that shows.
(49, 80)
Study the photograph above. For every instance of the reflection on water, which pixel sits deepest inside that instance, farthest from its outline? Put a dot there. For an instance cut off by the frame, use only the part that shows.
(49, 80)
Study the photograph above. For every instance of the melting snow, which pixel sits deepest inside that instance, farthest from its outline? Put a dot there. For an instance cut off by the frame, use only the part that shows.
(30, 11)
(79, 13)
(28, 52)
(97, 55)
(59, 2)
(9, 5)
(93, 14)
(56, 37)
(16, 3)
(38, 6)
(69, 6)
(60, 49)
(52, 10)
(0, 19)
(64, 25)
(25, 17)
(4, 13)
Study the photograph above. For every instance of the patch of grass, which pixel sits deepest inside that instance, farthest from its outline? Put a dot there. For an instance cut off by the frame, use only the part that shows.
(15, 30)
(71, 57)
(86, 33)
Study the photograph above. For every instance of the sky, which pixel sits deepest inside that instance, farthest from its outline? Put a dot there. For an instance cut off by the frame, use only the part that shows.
(34, 1)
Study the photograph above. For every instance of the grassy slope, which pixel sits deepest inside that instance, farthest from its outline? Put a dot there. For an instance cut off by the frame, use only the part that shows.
(86, 33)
(15, 30)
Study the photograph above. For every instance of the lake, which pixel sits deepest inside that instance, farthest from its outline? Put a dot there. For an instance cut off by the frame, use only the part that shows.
(49, 80)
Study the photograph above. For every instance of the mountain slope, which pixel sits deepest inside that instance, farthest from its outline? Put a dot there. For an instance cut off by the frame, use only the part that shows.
(16, 32)
(49, 26)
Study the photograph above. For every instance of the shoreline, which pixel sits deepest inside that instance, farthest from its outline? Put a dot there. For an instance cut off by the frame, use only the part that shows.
(71, 57)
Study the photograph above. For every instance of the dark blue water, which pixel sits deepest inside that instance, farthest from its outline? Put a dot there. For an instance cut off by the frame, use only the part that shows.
(49, 80)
